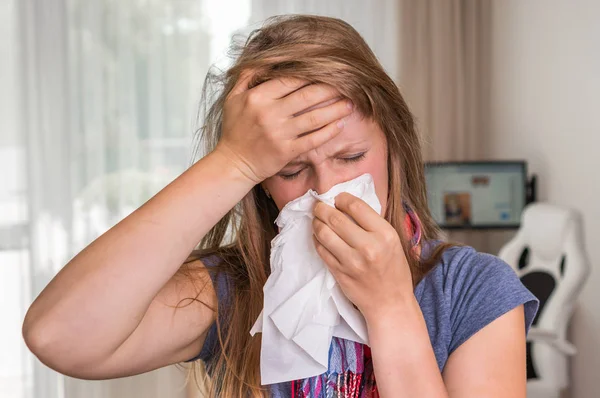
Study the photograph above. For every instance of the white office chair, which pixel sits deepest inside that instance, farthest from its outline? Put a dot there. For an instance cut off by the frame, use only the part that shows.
(548, 255)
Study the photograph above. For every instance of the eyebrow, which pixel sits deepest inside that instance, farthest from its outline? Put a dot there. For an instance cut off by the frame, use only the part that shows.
(344, 149)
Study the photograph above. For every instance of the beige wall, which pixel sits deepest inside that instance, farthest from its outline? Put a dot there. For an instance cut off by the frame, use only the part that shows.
(546, 109)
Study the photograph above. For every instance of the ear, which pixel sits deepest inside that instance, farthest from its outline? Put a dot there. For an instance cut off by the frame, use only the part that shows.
(412, 225)
(264, 188)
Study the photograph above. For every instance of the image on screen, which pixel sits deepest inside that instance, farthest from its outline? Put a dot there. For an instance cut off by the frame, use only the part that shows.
(476, 194)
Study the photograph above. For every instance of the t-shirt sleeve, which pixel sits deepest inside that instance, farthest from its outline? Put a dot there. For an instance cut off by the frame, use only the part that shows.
(482, 288)
(211, 342)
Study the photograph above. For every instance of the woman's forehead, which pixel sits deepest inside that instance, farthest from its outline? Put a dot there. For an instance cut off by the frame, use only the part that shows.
(356, 128)
(359, 134)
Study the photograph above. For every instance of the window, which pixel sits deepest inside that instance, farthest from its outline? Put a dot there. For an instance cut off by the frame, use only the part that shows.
(98, 114)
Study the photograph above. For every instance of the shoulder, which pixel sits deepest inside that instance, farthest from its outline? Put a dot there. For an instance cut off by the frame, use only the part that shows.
(462, 271)
(201, 264)
(462, 266)
(466, 291)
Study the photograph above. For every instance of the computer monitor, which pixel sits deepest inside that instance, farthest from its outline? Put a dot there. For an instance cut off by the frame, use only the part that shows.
(470, 195)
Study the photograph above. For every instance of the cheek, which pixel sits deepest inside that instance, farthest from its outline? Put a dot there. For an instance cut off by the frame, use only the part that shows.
(284, 192)
(377, 167)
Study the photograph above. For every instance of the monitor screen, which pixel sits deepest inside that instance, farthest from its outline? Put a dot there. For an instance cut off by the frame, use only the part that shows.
(476, 194)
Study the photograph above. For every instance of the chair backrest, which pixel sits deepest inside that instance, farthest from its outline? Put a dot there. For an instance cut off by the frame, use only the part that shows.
(548, 255)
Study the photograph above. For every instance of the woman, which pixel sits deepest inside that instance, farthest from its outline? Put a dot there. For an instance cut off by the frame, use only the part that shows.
(305, 106)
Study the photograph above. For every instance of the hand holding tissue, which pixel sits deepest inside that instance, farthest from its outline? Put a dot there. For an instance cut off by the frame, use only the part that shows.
(304, 306)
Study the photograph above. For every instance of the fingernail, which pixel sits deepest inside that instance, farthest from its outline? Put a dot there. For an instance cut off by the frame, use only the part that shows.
(350, 105)
(341, 123)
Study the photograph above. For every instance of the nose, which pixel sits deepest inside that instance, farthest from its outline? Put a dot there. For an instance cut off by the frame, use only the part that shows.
(325, 180)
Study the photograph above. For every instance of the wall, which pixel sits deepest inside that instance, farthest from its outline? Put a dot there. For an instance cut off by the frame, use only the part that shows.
(545, 101)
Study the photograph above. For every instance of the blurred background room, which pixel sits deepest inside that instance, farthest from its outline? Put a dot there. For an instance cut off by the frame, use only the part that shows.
(99, 110)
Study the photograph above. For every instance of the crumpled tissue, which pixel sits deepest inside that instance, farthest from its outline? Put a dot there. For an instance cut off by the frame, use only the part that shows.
(303, 304)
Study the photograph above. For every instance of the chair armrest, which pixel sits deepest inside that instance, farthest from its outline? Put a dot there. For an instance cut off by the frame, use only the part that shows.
(536, 335)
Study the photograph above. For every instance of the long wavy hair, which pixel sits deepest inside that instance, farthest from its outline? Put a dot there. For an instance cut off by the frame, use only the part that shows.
(319, 50)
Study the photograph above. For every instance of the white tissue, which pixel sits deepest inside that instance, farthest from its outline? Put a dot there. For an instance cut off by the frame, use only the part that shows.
(303, 304)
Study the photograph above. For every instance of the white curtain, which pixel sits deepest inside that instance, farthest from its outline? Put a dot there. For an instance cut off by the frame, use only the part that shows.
(375, 20)
(97, 114)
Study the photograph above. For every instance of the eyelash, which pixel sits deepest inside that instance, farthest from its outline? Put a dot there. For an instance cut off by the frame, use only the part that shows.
(356, 158)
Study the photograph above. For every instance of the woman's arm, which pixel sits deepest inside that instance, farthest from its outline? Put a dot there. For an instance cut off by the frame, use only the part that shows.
(86, 322)
(109, 313)
(403, 359)
(491, 363)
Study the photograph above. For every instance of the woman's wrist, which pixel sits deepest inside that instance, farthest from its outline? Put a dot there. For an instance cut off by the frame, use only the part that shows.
(403, 358)
(236, 164)
(230, 168)
(384, 315)
(403, 323)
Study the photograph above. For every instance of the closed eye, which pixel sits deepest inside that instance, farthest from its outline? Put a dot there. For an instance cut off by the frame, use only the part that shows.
(356, 158)
(352, 159)
(291, 176)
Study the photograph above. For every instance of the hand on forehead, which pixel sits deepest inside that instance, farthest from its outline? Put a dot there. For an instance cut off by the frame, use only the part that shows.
(357, 131)
(320, 105)
(350, 134)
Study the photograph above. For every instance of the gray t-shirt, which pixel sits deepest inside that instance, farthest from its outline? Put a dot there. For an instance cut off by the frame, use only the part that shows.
(463, 293)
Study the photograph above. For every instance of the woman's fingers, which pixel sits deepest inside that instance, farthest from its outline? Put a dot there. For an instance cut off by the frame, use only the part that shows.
(364, 215)
(242, 83)
(269, 91)
(317, 118)
(307, 97)
(276, 89)
(352, 234)
(312, 140)
(338, 248)
(326, 255)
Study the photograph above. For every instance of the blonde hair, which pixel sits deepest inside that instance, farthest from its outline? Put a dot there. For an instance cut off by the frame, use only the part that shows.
(319, 50)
